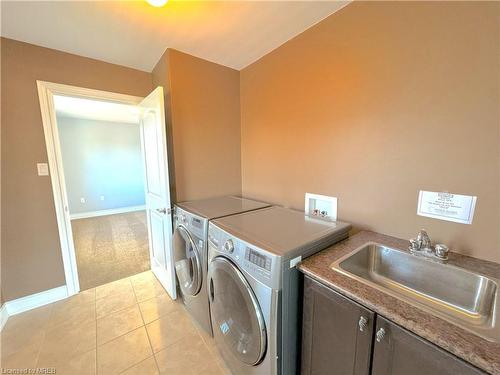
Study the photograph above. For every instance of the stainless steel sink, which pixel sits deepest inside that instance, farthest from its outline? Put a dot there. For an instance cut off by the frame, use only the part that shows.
(464, 298)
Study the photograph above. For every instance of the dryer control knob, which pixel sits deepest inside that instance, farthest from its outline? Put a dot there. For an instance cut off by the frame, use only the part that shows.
(229, 246)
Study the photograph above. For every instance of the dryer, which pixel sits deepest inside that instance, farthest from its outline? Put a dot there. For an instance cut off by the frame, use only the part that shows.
(190, 248)
(254, 288)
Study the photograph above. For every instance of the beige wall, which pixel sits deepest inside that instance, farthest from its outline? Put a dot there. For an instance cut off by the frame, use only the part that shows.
(204, 145)
(205, 125)
(373, 104)
(31, 255)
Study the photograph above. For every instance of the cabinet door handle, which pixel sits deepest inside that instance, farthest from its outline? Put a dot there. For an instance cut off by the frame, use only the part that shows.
(380, 334)
(363, 323)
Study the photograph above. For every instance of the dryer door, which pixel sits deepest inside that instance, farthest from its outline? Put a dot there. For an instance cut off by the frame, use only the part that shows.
(237, 319)
(187, 262)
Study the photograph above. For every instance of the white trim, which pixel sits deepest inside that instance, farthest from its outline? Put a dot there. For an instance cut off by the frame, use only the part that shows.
(33, 301)
(46, 92)
(4, 315)
(111, 211)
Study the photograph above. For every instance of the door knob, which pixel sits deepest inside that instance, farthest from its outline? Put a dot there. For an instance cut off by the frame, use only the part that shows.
(380, 334)
(163, 211)
(363, 323)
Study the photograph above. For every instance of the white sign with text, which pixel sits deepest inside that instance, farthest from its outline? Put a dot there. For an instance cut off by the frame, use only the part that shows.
(446, 206)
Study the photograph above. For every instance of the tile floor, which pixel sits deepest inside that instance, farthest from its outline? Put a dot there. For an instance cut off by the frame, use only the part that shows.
(129, 326)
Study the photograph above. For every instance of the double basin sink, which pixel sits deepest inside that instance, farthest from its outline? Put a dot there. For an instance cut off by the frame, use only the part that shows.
(462, 297)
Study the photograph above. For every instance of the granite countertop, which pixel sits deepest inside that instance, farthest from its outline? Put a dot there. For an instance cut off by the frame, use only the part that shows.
(464, 344)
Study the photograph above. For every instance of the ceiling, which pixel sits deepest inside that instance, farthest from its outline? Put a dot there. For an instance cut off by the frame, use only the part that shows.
(135, 34)
(88, 109)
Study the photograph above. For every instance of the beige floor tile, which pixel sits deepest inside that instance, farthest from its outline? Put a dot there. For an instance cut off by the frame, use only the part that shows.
(209, 340)
(114, 302)
(90, 293)
(113, 288)
(212, 347)
(81, 364)
(28, 321)
(67, 340)
(142, 277)
(190, 355)
(75, 309)
(147, 289)
(85, 296)
(224, 369)
(25, 357)
(13, 342)
(214, 351)
(123, 352)
(22, 336)
(146, 367)
(118, 323)
(170, 329)
(23, 332)
(157, 307)
(63, 335)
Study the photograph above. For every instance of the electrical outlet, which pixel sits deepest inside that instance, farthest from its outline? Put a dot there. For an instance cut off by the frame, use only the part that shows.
(102, 197)
(82, 200)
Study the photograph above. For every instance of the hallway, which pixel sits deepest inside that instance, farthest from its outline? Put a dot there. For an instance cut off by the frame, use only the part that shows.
(110, 248)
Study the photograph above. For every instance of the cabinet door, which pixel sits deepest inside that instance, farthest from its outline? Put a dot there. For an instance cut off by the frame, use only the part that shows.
(337, 333)
(399, 352)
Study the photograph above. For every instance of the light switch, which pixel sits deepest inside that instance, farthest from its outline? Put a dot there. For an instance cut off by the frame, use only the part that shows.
(43, 169)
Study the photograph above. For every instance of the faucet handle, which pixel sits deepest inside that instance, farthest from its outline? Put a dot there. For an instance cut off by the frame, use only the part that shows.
(441, 251)
(414, 245)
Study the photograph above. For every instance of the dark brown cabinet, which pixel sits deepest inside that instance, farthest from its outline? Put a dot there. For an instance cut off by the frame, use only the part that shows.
(339, 336)
(337, 333)
(397, 351)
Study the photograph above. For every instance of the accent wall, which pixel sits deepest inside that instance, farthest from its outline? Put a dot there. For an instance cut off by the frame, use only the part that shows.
(103, 164)
(373, 104)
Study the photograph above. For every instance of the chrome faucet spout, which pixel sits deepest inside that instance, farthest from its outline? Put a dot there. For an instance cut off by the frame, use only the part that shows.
(424, 240)
(422, 245)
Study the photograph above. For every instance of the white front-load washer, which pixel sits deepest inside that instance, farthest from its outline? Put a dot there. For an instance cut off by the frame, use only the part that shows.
(254, 288)
(190, 248)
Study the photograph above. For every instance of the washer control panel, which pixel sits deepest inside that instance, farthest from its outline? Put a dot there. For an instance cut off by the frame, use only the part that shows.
(260, 264)
(260, 260)
(196, 225)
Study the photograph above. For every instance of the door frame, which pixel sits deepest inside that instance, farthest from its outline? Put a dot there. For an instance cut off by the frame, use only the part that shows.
(46, 92)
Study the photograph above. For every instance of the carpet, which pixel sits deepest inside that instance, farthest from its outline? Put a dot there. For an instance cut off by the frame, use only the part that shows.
(110, 248)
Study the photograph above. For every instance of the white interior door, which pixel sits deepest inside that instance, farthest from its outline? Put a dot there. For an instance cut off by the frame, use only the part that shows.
(154, 142)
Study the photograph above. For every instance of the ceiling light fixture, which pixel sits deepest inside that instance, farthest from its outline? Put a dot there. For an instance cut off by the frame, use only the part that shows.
(157, 3)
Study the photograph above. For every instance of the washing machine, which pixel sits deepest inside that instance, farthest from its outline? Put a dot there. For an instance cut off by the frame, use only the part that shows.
(190, 248)
(255, 289)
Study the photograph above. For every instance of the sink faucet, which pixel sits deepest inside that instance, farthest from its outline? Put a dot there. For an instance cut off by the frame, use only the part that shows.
(422, 245)
(424, 240)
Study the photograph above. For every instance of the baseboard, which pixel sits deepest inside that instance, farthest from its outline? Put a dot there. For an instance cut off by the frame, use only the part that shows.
(111, 211)
(33, 301)
(4, 315)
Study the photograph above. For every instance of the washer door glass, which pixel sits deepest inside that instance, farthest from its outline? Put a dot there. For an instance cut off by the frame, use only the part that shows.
(236, 316)
(187, 262)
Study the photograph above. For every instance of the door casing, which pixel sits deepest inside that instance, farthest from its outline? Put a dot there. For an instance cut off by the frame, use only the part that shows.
(46, 92)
